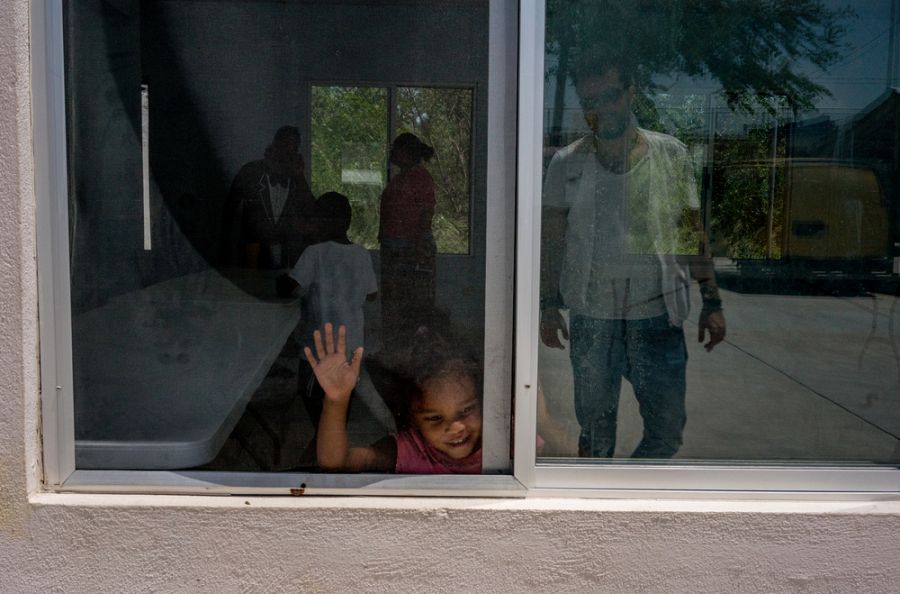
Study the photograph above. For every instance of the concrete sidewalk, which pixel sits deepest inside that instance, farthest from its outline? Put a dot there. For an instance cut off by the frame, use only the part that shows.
(813, 378)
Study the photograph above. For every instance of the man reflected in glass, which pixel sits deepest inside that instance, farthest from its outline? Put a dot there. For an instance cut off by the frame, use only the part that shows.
(621, 239)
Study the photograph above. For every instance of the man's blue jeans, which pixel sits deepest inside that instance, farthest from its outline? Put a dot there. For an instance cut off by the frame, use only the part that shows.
(652, 356)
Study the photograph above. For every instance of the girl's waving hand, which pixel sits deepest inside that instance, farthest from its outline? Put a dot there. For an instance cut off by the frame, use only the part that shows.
(335, 374)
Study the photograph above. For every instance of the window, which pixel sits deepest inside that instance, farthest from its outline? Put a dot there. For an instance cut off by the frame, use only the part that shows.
(679, 171)
(739, 199)
(351, 138)
(211, 179)
(350, 143)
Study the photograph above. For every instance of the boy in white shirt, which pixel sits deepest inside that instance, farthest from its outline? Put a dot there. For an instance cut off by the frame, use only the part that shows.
(336, 275)
(337, 278)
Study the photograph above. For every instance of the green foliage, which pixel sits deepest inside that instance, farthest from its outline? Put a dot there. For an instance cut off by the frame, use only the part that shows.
(761, 52)
(682, 116)
(442, 118)
(747, 175)
(350, 148)
(754, 48)
(349, 152)
(748, 180)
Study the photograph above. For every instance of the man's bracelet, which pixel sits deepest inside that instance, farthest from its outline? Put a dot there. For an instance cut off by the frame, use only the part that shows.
(709, 292)
(711, 305)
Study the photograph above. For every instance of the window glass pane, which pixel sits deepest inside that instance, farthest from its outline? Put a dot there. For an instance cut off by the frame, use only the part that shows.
(443, 119)
(230, 194)
(349, 152)
(720, 176)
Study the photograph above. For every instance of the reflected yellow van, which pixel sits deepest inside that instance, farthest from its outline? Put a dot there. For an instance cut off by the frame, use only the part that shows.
(833, 211)
(801, 209)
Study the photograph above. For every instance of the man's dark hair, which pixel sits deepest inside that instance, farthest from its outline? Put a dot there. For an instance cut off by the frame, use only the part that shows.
(592, 62)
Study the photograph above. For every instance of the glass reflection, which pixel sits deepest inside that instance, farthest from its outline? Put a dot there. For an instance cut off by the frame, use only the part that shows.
(700, 162)
(228, 169)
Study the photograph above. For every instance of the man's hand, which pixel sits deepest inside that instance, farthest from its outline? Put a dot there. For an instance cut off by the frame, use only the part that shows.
(714, 322)
(336, 376)
(552, 324)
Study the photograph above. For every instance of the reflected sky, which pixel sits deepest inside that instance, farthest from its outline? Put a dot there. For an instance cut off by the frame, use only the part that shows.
(858, 78)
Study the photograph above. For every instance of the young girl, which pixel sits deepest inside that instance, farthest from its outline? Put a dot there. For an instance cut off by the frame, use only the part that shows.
(442, 434)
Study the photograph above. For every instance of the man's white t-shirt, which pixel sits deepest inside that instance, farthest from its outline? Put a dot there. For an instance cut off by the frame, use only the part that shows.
(336, 278)
(625, 227)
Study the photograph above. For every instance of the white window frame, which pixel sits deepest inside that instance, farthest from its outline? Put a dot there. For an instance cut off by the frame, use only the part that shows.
(519, 187)
(585, 479)
(51, 193)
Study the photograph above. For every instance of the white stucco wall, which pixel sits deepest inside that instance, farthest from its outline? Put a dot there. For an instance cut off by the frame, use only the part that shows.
(102, 543)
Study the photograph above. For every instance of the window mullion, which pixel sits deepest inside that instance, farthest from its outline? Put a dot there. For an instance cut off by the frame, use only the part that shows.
(531, 66)
(391, 123)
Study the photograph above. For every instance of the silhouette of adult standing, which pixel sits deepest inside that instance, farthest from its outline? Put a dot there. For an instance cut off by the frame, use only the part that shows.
(407, 244)
(268, 208)
(621, 237)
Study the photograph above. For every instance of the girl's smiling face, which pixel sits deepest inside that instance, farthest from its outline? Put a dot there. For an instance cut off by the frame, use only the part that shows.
(448, 415)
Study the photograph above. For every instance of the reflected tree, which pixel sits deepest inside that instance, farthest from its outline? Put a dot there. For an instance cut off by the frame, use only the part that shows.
(749, 185)
(764, 54)
(350, 140)
(349, 152)
(442, 118)
(756, 49)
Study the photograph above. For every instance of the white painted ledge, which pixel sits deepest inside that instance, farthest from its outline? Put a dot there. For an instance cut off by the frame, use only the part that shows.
(535, 504)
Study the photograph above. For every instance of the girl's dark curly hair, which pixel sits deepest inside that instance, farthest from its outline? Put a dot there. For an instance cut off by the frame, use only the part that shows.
(432, 356)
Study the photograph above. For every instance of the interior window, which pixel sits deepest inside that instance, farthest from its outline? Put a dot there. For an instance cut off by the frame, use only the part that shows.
(350, 141)
(351, 137)
(443, 117)
(228, 211)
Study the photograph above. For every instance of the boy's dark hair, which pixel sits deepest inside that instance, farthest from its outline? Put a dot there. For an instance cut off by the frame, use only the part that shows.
(333, 214)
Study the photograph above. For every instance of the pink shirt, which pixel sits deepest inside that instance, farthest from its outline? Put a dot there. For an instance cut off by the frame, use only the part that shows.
(416, 456)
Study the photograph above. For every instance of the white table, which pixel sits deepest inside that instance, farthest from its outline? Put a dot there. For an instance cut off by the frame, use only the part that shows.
(163, 374)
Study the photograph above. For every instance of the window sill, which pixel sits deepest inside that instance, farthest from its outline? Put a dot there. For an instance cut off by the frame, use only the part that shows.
(291, 484)
(533, 504)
